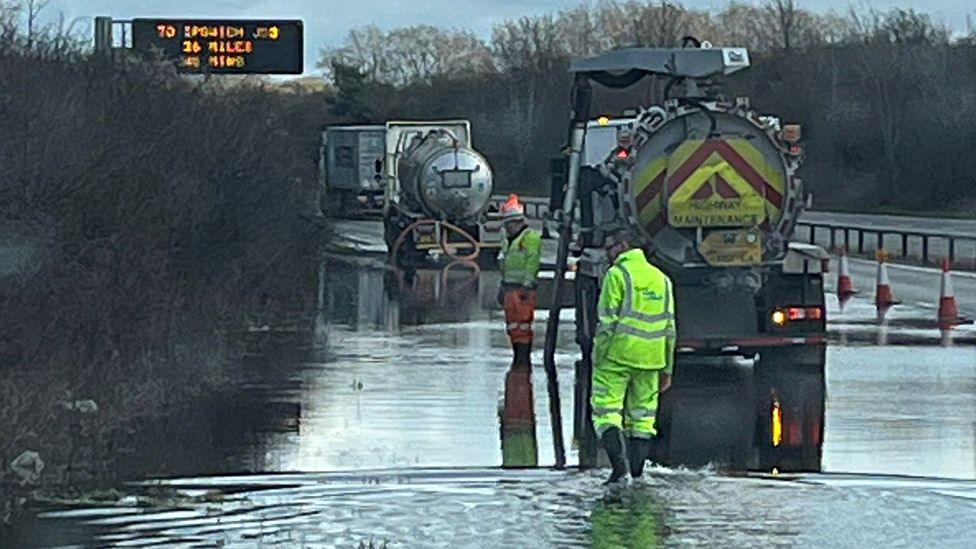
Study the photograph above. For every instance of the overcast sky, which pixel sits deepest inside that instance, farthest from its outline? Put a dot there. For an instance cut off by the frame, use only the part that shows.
(328, 21)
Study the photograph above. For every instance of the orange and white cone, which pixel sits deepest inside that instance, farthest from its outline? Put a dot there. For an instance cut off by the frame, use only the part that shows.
(883, 297)
(948, 311)
(845, 288)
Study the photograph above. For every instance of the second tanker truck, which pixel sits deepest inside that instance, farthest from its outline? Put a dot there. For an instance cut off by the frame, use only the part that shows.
(713, 189)
(438, 189)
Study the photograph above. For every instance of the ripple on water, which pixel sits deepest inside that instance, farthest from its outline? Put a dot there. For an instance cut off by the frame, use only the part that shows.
(540, 508)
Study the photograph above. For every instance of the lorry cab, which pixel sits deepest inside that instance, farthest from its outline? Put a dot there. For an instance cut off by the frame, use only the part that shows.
(351, 160)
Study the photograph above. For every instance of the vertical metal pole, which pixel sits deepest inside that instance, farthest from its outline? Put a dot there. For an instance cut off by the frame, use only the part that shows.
(577, 132)
(952, 250)
(847, 240)
(860, 241)
(881, 241)
(925, 250)
(904, 245)
(103, 35)
(813, 234)
(833, 239)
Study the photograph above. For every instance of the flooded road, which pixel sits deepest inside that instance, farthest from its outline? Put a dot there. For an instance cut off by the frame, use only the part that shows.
(381, 425)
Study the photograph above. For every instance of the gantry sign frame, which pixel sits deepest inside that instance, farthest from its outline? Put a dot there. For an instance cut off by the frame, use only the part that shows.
(212, 46)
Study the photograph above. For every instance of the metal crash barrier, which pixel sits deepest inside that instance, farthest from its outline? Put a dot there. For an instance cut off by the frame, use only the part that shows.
(927, 247)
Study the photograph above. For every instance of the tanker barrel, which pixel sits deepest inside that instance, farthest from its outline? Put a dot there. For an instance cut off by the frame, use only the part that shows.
(446, 181)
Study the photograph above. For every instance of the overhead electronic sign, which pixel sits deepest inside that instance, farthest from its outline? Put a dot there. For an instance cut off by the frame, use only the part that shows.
(224, 46)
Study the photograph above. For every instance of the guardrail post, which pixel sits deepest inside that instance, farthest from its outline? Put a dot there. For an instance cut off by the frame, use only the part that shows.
(833, 238)
(881, 245)
(925, 249)
(813, 234)
(904, 245)
(860, 241)
(847, 240)
(952, 250)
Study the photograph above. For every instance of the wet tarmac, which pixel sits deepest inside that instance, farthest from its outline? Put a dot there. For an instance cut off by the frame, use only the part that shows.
(382, 426)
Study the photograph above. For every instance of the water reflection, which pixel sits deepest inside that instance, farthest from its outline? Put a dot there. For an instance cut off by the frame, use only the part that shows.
(387, 299)
(633, 519)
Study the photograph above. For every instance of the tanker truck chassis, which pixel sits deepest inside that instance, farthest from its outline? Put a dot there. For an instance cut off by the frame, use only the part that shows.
(712, 188)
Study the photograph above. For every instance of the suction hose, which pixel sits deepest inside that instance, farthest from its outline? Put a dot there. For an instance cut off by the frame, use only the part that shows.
(445, 246)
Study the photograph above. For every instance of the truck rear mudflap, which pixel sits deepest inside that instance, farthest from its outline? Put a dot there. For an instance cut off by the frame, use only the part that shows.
(747, 345)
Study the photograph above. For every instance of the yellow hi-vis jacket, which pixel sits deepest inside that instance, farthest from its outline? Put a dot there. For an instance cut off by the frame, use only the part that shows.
(521, 258)
(636, 315)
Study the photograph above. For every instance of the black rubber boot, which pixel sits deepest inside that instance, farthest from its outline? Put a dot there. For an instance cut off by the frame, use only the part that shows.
(613, 443)
(522, 355)
(638, 450)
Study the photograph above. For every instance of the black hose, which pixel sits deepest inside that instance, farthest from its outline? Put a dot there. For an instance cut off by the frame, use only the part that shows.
(712, 122)
(671, 82)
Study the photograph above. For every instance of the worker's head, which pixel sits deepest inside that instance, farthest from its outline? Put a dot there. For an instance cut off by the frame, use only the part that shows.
(513, 226)
(513, 215)
(619, 241)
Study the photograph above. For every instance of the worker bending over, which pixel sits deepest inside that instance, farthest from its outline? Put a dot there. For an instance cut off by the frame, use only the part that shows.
(520, 257)
(633, 354)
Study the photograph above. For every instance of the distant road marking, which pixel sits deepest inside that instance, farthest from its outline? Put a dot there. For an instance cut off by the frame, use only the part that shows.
(917, 269)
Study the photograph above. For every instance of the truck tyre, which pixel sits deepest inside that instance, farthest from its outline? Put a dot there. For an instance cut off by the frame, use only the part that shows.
(789, 383)
(703, 418)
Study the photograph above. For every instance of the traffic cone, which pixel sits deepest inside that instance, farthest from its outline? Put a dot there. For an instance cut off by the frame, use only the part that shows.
(883, 298)
(845, 288)
(948, 312)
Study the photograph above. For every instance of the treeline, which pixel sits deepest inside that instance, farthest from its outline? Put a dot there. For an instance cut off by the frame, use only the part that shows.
(885, 99)
(149, 213)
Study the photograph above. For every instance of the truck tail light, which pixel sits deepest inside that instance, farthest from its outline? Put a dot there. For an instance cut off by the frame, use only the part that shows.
(789, 314)
(776, 423)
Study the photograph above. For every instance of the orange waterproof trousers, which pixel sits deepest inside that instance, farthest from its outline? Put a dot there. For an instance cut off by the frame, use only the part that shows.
(519, 314)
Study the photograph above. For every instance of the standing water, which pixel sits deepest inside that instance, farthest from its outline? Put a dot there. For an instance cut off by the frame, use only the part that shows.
(376, 422)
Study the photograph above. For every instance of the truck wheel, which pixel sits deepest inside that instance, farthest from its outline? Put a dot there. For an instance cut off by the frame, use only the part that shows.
(703, 418)
(789, 393)
(488, 258)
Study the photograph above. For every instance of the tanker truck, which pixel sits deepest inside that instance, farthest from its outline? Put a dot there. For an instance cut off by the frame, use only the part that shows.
(713, 189)
(437, 194)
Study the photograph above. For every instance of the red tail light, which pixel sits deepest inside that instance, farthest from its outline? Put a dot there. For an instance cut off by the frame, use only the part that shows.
(780, 316)
(622, 154)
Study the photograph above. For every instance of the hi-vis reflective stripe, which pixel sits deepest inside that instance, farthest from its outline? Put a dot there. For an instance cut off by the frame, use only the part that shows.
(517, 276)
(518, 326)
(641, 413)
(606, 411)
(627, 309)
(630, 330)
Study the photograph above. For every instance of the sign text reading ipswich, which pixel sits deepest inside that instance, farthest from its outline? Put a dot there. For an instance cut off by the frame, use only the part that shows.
(232, 46)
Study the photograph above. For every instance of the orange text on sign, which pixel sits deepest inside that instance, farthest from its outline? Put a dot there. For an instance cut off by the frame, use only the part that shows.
(166, 31)
(213, 31)
(221, 61)
(235, 46)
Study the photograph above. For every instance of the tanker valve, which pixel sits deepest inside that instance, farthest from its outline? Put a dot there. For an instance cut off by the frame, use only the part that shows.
(790, 133)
